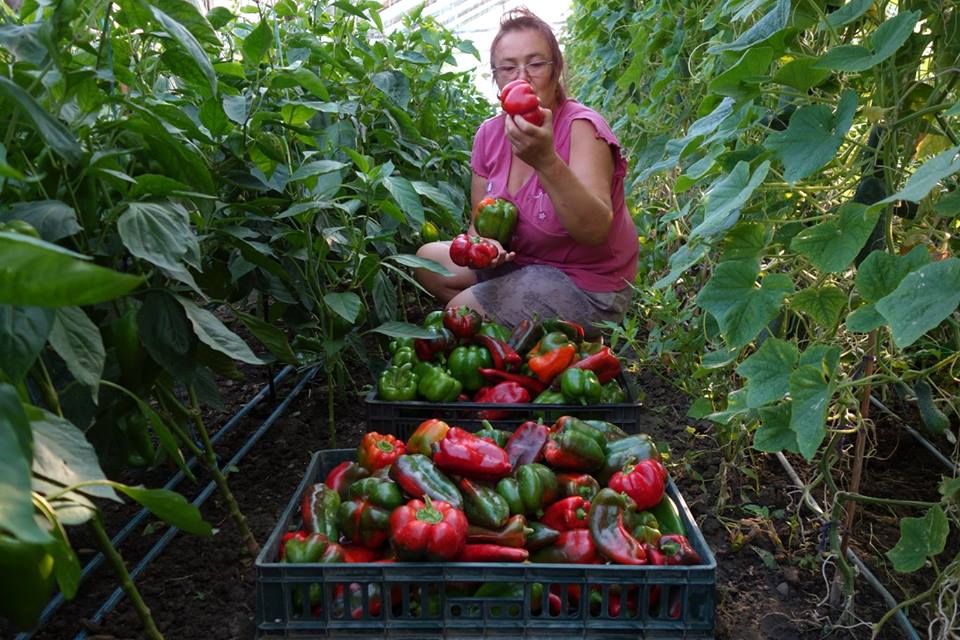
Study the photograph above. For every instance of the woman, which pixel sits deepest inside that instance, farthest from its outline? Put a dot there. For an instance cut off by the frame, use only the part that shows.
(574, 252)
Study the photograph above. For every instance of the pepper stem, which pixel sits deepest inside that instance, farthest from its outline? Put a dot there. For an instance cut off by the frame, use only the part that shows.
(428, 514)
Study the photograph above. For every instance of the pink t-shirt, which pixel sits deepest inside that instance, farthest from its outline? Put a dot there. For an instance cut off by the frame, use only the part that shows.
(539, 237)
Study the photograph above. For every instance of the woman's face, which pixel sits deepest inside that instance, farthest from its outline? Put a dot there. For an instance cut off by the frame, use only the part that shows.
(526, 54)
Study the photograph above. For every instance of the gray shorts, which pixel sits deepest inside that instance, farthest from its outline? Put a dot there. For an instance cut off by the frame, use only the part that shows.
(511, 293)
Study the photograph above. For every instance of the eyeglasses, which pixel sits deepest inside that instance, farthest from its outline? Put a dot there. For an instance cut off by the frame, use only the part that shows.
(534, 69)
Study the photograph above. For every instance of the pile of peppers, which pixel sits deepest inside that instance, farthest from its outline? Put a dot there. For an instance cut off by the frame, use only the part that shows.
(467, 358)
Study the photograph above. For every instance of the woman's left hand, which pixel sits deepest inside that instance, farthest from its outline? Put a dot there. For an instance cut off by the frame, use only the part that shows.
(530, 143)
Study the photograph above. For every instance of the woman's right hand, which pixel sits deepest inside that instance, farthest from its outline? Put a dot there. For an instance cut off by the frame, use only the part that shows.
(503, 256)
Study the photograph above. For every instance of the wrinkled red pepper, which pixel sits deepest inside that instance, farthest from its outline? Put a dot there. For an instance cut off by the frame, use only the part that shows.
(472, 251)
(525, 445)
(603, 363)
(644, 481)
(500, 393)
(503, 355)
(433, 530)
(519, 99)
(377, 451)
(462, 321)
(463, 453)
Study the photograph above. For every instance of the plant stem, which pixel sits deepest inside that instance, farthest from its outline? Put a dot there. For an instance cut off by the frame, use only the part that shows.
(869, 357)
(129, 587)
(210, 462)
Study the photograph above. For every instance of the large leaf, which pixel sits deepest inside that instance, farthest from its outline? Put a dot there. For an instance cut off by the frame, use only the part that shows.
(23, 332)
(16, 449)
(271, 336)
(160, 233)
(928, 176)
(195, 53)
(406, 196)
(879, 45)
(395, 85)
(213, 333)
(881, 273)
(166, 333)
(52, 219)
(77, 340)
(396, 329)
(723, 201)
(762, 29)
(236, 108)
(832, 245)
(920, 538)
(823, 304)
(345, 304)
(417, 262)
(923, 299)
(681, 260)
(774, 433)
(768, 371)
(743, 78)
(54, 133)
(741, 307)
(316, 168)
(801, 73)
(169, 506)
(257, 42)
(438, 196)
(849, 12)
(813, 137)
(810, 388)
(27, 265)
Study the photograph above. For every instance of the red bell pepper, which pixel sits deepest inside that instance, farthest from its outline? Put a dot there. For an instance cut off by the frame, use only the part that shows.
(343, 475)
(462, 321)
(644, 481)
(503, 355)
(501, 393)
(526, 443)
(465, 454)
(531, 384)
(569, 513)
(552, 363)
(603, 363)
(377, 451)
(356, 553)
(519, 99)
(472, 251)
(678, 550)
(578, 484)
(491, 553)
(609, 532)
(433, 530)
(575, 546)
(428, 432)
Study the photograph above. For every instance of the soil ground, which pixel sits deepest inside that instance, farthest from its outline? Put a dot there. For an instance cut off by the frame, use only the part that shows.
(770, 582)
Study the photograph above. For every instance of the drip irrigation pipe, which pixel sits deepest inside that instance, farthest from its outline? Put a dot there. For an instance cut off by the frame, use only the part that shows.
(134, 522)
(926, 444)
(864, 570)
(168, 535)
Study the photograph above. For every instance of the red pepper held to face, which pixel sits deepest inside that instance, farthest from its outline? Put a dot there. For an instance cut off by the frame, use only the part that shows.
(519, 99)
(471, 251)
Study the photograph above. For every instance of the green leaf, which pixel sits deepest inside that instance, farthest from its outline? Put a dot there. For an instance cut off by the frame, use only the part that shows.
(160, 233)
(311, 82)
(813, 137)
(77, 340)
(16, 450)
(166, 334)
(881, 272)
(948, 206)
(169, 506)
(270, 336)
(848, 13)
(396, 329)
(810, 389)
(257, 43)
(920, 538)
(214, 118)
(923, 299)
(219, 17)
(185, 39)
(236, 108)
(406, 196)
(345, 304)
(417, 262)
(745, 241)
(23, 332)
(879, 45)
(928, 176)
(801, 73)
(52, 219)
(736, 406)
(681, 260)
(741, 307)
(316, 168)
(865, 319)
(762, 29)
(743, 79)
(54, 133)
(394, 85)
(438, 196)
(723, 200)
(823, 304)
(832, 245)
(213, 333)
(774, 433)
(768, 371)
(25, 275)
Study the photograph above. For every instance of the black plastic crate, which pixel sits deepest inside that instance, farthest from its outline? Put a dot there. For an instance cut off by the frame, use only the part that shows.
(402, 418)
(349, 592)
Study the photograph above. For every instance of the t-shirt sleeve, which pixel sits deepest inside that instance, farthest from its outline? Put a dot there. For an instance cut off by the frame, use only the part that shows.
(479, 156)
(603, 132)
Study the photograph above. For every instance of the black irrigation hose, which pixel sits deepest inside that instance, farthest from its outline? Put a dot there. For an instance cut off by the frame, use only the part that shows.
(134, 522)
(154, 551)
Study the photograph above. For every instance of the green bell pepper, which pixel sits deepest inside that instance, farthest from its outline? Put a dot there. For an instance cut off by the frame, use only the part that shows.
(365, 517)
(580, 385)
(398, 383)
(494, 330)
(465, 364)
(534, 488)
(404, 355)
(497, 219)
(436, 385)
(612, 393)
(482, 504)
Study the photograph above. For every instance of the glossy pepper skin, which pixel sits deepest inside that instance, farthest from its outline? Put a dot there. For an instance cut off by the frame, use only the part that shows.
(494, 330)
(609, 532)
(540, 536)
(404, 355)
(462, 321)
(501, 393)
(525, 445)
(619, 453)
(376, 450)
(678, 550)
(398, 383)
(533, 386)
(573, 448)
(572, 330)
(644, 482)
(463, 453)
(428, 432)
(513, 533)
(318, 506)
(498, 436)
(552, 363)
(575, 546)
(442, 342)
(609, 430)
(519, 99)
(503, 356)
(531, 491)
(482, 504)
(496, 218)
(302, 547)
(365, 518)
(578, 484)
(567, 513)
(524, 335)
(548, 342)
(431, 530)
(645, 529)
(343, 475)
(612, 393)
(491, 553)
(418, 476)
(472, 251)
(603, 363)
(580, 385)
(668, 517)
(437, 385)
(465, 363)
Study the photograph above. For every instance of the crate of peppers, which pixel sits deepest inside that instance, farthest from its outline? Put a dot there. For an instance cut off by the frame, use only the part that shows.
(571, 525)
(544, 368)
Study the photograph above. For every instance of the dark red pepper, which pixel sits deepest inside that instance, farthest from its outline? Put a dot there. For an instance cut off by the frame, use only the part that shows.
(518, 98)
(526, 443)
(504, 357)
(472, 251)
(531, 384)
(569, 513)
(343, 475)
(492, 553)
(609, 532)
(525, 335)
(603, 363)
(575, 546)
(462, 321)
(501, 393)
(678, 550)
(443, 341)
(463, 453)
(644, 481)
(512, 534)
(357, 553)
